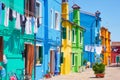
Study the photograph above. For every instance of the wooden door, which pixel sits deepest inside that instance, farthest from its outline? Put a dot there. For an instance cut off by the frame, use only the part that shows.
(29, 59)
(52, 61)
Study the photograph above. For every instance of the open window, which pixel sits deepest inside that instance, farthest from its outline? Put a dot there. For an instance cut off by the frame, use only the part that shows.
(39, 54)
(29, 7)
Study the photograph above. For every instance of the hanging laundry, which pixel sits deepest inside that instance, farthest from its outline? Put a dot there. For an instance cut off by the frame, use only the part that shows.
(22, 23)
(6, 21)
(38, 22)
(10, 15)
(92, 49)
(36, 26)
(86, 48)
(18, 21)
(14, 14)
(28, 25)
(98, 49)
(3, 6)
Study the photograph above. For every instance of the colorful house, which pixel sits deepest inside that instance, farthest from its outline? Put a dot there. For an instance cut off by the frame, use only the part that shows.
(16, 41)
(91, 23)
(66, 49)
(115, 51)
(77, 39)
(106, 40)
(48, 38)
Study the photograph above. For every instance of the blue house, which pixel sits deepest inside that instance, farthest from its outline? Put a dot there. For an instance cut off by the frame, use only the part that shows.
(91, 22)
(48, 37)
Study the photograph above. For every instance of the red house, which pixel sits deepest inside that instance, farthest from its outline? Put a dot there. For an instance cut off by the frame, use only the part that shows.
(115, 46)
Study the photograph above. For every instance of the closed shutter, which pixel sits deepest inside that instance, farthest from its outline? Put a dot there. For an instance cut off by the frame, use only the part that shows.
(1, 49)
(64, 32)
(40, 54)
(61, 58)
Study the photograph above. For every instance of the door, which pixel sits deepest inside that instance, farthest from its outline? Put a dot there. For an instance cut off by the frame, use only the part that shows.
(52, 61)
(1, 49)
(29, 59)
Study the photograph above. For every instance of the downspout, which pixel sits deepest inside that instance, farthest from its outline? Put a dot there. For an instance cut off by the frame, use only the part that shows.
(34, 43)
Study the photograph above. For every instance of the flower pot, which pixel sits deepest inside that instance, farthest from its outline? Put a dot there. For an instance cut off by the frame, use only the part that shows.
(100, 75)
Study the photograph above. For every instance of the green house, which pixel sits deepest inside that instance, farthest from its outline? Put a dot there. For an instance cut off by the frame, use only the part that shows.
(77, 39)
(15, 45)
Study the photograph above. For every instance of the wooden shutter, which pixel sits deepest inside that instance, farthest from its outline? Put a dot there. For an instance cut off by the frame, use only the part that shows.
(29, 7)
(41, 54)
(1, 49)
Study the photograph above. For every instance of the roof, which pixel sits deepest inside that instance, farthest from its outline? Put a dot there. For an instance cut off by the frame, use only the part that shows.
(115, 44)
(73, 24)
(75, 6)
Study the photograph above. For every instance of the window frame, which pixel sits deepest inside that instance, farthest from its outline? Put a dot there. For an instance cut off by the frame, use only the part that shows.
(40, 11)
(52, 18)
(74, 41)
(57, 22)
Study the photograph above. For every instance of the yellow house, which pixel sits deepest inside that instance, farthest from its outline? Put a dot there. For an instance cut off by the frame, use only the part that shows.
(106, 50)
(66, 48)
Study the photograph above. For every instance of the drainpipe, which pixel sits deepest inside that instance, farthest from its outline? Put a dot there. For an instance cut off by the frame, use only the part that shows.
(34, 44)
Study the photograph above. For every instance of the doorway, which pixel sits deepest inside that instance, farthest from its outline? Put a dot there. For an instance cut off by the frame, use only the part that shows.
(52, 61)
(29, 59)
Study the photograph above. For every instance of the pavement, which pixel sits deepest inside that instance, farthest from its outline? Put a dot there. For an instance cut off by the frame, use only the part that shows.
(111, 73)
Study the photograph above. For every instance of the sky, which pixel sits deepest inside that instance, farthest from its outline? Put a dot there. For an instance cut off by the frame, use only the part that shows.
(110, 13)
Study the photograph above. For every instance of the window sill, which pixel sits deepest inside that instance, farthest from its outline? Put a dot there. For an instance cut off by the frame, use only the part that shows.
(38, 64)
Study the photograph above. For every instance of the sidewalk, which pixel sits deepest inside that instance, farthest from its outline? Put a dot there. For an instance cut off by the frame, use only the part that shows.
(111, 73)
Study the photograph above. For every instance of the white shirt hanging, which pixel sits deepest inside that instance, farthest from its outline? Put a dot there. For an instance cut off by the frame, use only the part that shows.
(28, 27)
(98, 49)
(36, 26)
(6, 21)
(18, 21)
(14, 14)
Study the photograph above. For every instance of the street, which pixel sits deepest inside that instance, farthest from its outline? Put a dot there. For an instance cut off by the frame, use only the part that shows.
(111, 73)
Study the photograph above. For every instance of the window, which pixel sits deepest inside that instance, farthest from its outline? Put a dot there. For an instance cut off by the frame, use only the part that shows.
(29, 7)
(51, 15)
(73, 55)
(80, 37)
(73, 35)
(39, 11)
(69, 34)
(57, 20)
(63, 32)
(1, 49)
(39, 54)
(61, 58)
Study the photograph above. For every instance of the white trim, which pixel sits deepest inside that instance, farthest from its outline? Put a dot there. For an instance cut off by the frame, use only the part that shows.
(38, 45)
(40, 11)
(28, 43)
(52, 17)
(57, 26)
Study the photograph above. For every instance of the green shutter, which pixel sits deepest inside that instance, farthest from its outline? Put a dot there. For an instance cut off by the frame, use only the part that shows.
(73, 59)
(41, 54)
(73, 33)
(61, 58)
(64, 32)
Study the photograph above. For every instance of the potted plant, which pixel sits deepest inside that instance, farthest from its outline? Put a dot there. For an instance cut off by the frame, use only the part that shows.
(99, 70)
(84, 65)
(47, 75)
(38, 61)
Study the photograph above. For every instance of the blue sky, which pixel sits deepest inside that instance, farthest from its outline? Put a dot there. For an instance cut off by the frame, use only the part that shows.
(110, 13)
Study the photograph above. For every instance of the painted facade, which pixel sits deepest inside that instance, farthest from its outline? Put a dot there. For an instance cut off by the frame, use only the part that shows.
(66, 49)
(91, 23)
(51, 43)
(115, 49)
(106, 41)
(15, 42)
(77, 39)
